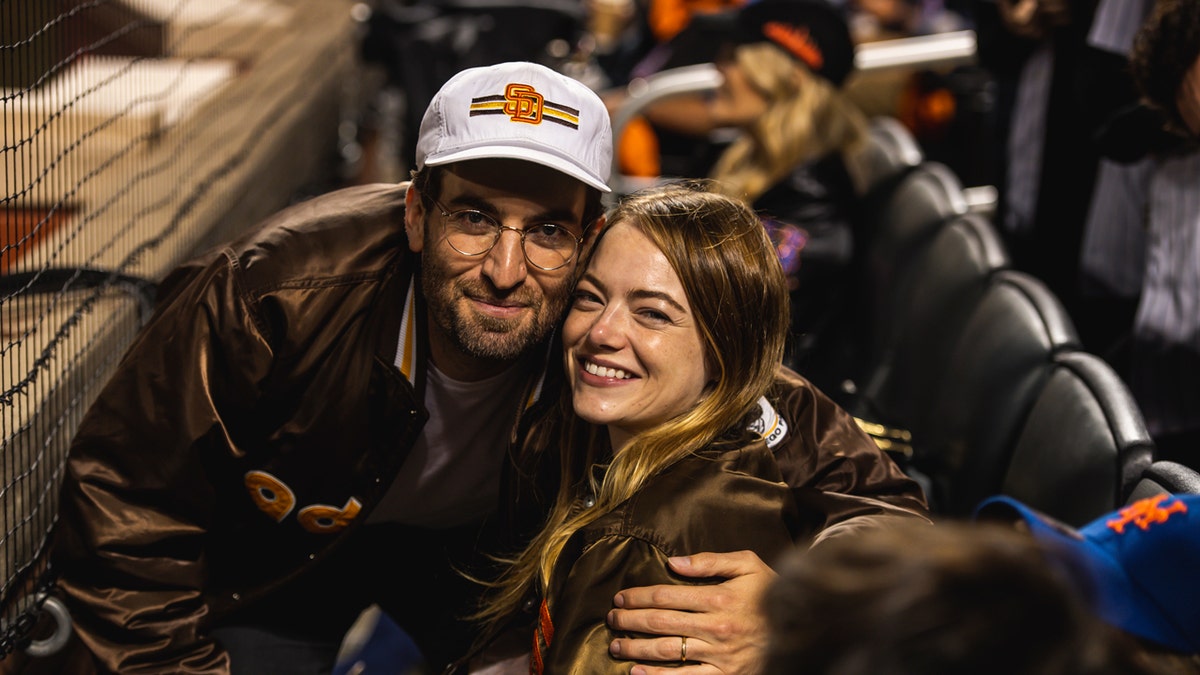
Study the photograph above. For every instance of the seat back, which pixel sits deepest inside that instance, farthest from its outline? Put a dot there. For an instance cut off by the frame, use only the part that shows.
(889, 150)
(1163, 476)
(895, 227)
(1083, 446)
(995, 369)
(935, 295)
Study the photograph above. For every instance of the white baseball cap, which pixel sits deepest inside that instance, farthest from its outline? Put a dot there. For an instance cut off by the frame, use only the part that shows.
(523, 111)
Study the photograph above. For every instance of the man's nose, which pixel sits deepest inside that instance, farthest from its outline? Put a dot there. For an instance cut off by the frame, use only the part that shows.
(504, 265)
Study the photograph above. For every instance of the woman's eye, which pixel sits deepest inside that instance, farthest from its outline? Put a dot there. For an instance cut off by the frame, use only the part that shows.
(655, 315)
(583, 298)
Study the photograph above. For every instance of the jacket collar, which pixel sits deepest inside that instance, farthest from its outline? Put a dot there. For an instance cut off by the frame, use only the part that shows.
(406, 350)
(412, 353)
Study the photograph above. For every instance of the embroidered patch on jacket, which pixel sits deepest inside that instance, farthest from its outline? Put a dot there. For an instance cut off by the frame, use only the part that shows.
(273, 497)
(522, 103)
(769, 424)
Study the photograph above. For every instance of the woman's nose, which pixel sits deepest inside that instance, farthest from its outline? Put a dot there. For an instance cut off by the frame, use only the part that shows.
(608, 330)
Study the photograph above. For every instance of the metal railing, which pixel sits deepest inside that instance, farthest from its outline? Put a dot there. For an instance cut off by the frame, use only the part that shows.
(942, 50)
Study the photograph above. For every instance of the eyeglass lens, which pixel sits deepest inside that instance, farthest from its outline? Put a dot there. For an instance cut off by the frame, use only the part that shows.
(547, 245)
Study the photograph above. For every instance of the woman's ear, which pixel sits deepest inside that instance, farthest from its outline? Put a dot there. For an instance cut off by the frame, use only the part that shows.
(414, 219)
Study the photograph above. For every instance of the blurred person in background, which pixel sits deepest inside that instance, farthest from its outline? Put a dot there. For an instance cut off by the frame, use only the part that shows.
(783, 64)
(1165, 360)
(1112, 258)
(1034, 49)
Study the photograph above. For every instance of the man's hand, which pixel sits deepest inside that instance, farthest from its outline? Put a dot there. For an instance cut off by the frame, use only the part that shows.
(1033, 18)
(725, 629)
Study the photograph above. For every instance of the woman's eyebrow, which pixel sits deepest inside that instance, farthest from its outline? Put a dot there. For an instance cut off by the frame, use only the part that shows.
(591, 279)
(646, 294)
(639, 294)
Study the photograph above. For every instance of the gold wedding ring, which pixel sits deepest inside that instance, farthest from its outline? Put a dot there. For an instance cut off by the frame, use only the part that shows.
(682, 649)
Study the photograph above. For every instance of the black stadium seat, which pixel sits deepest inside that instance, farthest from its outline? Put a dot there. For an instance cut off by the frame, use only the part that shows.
(937, 292)
(1084, 445)
(894, 220)
(889, 151)
(894, 228)
(1163, 476)
(993, 374)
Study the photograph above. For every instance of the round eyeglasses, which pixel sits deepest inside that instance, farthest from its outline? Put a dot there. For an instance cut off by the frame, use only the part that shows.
(547, 246)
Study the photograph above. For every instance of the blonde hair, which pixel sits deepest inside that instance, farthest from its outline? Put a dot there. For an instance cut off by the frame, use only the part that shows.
(807, 118)
(738, 294)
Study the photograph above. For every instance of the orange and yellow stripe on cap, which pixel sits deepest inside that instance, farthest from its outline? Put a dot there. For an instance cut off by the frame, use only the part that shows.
(522, 103)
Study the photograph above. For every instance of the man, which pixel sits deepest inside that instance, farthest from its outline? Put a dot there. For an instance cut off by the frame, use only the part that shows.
(317, 416)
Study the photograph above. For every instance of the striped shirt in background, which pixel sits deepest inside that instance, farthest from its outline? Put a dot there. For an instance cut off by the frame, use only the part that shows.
(1113, 252)
(1113, 255)
(1166, 377)
(1026, 139)
(1145, 223)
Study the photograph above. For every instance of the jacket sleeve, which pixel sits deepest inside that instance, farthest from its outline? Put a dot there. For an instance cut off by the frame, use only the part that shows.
(841, 480)
(136, 500)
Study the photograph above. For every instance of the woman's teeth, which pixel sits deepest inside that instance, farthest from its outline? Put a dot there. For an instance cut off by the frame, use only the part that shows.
(601, 371)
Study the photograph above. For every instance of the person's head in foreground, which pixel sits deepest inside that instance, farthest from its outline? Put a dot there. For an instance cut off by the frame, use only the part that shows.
(676, 329)
(946, 599)
(511, 162)
(782, 83)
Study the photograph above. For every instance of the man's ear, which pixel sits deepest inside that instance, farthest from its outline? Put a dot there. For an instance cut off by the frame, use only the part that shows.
(589, 237)
(414, 219)
(591, 233)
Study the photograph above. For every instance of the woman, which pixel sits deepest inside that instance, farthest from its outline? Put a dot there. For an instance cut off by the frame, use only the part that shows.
(674, 335)
(795, 132)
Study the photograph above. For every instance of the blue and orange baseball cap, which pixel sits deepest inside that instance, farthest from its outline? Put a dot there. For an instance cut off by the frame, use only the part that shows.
(1143, 561)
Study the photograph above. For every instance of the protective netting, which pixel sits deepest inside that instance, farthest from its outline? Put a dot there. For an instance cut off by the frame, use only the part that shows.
(135, 132)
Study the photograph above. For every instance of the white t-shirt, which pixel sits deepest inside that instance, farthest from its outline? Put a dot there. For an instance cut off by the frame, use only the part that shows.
(452, 474)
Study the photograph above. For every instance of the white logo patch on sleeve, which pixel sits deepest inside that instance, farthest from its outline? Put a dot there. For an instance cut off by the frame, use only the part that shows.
(769, 424)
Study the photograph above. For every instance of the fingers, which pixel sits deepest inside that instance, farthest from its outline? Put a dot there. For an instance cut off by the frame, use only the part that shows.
(727, 565)
(721, 621)
(699, 669)
(668, 623)
(694, 610)
(730, 641)
(667, 597)
(664, 649)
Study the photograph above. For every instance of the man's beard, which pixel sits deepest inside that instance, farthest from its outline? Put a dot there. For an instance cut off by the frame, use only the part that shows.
(482, 336)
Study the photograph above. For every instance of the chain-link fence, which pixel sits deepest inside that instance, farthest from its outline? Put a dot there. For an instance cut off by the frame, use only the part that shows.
(134, 133)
